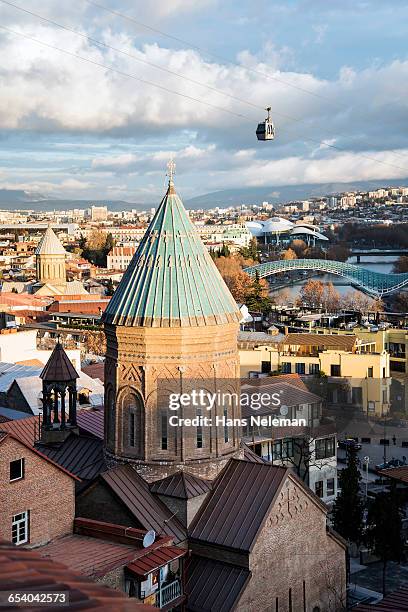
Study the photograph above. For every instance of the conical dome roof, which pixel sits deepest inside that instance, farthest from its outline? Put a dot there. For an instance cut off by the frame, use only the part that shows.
(172, 280)
(59, 367)
(50, 244)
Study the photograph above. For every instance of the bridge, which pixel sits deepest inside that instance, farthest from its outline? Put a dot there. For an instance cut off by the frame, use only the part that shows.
(376, 284)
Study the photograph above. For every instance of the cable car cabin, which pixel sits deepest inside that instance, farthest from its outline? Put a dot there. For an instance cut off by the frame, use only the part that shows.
(266, 130)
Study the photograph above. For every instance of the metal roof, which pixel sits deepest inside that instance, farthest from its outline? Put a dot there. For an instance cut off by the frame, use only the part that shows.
(172, 280)
(154, 559)
(394, 602)
(342, 342)
(89, 556)
(83, 456)
(182, 485)
(135, 494)
(24, 568)
(50, 244)
(91, 421)
(213, 586)
(289, 395)
(59, 367)
(238, 504)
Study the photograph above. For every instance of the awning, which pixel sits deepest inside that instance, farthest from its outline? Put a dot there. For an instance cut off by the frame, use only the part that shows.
(155, 559)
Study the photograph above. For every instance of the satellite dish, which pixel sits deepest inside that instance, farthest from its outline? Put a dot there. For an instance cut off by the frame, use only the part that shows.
(284, 410)
(149, 538)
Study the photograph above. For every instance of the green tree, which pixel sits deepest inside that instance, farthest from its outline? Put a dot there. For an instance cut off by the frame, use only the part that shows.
(110, 289)
(384, 529)
(348, 508)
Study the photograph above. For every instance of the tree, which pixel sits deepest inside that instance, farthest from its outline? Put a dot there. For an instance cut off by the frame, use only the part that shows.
(298, 246)
(348, 508)
(331, 298)
(289, 254)
(401, 265)
(311, 293)
(110, 289)
(251, 251)
(384, 529)
(236, 280)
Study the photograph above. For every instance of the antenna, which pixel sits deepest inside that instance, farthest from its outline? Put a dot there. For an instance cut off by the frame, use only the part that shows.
(149, 538)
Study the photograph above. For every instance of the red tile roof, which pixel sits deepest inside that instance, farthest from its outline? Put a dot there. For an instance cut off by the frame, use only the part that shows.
(23, 568)
(155, 559)
(396, 473)
(341, 342)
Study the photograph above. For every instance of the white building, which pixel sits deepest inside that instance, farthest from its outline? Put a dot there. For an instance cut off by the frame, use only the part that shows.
(120, 257)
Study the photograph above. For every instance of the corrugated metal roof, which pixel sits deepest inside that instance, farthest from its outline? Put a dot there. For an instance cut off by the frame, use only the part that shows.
(182, 485)
(50, 244)
(155, 559)
(80, 455)
(326, 341)
(11, 371)
(172, 280)
(213, 586)
(91, 421)
(135, 494)
(289, 395)
(394, 602)
(59, 367)
(87, 555)
(22, 568)
(238, 504)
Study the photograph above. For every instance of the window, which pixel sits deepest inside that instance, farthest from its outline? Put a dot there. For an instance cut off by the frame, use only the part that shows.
(300, 368)
(335, 370)
(199, 434)
(17, 469)
(324, 448)
(164, 432)
(265, 367)
(287, 449)
(370, 372)
(314, 368)
(286, 367)
(19, 528)
(132, 437)
(319, 488)
(330, 486)
(226, 437)
(277, 450)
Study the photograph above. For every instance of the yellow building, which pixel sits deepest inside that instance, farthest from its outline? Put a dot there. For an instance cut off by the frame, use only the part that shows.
(342, 358)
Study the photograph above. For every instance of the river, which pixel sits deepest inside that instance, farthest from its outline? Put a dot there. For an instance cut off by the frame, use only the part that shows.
(376, 263)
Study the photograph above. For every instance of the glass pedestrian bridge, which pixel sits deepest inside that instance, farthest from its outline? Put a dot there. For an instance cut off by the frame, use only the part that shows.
(377, 284)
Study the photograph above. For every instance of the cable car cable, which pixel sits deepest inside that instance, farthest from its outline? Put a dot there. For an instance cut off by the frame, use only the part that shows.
(130, 55)
(177, 93)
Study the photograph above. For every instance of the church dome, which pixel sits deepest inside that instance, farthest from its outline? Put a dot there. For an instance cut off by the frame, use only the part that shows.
(50, 244)
(172, 280)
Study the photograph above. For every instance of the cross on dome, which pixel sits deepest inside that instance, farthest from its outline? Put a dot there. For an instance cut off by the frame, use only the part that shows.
(171, 170)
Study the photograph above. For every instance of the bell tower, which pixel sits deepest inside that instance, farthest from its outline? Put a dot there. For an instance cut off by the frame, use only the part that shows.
(172, 323)
(59, 392)
(50, 260)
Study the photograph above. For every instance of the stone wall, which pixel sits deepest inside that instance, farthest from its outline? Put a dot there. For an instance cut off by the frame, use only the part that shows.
(294, 558)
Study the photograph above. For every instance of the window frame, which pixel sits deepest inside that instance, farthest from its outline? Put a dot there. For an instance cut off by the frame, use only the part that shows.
(21, 461)
(17, 523)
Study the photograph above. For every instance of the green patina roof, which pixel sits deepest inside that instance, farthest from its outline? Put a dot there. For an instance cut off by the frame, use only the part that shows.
(171, 280)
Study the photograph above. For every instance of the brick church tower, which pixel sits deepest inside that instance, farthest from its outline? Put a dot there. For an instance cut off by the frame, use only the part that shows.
(172, 322)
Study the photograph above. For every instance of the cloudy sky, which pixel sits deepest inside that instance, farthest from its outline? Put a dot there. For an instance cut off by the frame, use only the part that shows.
(332, 71)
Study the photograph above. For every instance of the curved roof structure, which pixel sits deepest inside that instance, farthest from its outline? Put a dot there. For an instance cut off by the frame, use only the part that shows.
(376, 283)
(50, 244)
(172, 280)
(278, 225)
(302, 230)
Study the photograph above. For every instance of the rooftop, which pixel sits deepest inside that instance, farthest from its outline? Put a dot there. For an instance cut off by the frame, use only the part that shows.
(50, 244)
(181, 485)
(171, 280)
(325, 341)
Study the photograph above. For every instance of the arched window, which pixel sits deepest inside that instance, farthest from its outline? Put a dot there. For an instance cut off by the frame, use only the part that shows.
(133, 424)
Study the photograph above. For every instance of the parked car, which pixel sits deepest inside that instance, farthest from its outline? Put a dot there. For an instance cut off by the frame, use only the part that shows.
(349, 443)
(390, 464)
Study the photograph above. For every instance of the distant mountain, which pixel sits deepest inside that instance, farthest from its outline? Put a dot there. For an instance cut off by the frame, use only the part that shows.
(19, 199)
(282, 193)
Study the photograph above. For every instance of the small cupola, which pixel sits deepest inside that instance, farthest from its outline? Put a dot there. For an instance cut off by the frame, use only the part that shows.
(59, 397)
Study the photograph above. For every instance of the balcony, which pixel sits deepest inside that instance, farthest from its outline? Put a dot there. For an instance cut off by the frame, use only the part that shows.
(168, 594)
